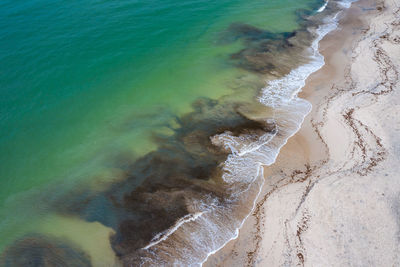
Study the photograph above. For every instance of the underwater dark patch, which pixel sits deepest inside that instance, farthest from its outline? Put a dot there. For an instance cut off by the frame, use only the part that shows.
(267, 52)
(159, 188)
(242, 31)
(273, 53)
(42, 251)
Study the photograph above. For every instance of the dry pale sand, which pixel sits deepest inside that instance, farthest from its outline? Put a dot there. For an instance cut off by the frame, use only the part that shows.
(333, 196)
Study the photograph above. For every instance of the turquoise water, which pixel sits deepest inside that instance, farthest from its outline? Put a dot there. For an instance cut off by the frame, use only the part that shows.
(72, 73)
(85, 83)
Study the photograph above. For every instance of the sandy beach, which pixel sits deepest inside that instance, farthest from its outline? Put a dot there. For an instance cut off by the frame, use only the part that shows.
(333, 196)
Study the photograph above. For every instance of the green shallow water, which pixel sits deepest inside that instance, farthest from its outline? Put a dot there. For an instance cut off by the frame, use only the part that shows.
(85, 82)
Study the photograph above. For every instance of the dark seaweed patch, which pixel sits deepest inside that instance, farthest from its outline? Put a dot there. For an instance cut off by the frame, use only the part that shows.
(274, 53)
(41, 251)
(242, 31)
(266, 52)
(159, 188)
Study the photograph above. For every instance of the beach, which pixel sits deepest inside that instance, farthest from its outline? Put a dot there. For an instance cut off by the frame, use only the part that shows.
(332, 196)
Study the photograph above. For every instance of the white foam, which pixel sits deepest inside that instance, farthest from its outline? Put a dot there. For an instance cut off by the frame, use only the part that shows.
(240, 145)
(236, 234)
(164, 235)
(322, 8)
(282, 91)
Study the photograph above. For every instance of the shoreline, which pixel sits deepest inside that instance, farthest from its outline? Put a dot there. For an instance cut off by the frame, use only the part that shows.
(281, 229)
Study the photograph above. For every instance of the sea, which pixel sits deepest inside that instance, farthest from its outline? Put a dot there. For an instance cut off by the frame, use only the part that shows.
(134, 133)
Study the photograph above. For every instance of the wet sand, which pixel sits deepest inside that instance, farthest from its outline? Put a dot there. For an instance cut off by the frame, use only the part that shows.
(333, 196)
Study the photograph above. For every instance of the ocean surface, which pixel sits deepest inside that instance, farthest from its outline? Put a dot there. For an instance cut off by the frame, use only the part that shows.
(132, 132)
